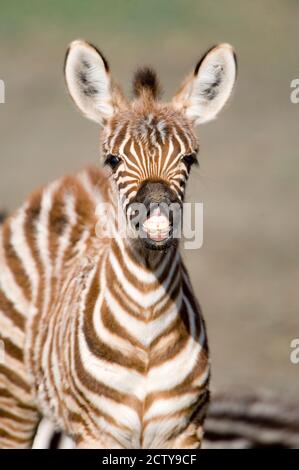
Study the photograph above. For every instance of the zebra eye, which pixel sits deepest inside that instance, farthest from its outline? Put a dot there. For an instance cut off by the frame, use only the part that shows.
(190, 160)
(112, 160)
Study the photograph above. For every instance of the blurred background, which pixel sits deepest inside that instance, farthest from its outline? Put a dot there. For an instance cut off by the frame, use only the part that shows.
(246, 274)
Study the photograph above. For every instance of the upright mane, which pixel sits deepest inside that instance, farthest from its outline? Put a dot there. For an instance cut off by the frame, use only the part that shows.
(145, 81)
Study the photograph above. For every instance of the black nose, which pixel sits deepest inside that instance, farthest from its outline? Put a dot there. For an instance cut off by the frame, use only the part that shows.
(152, 199)
(155, 192)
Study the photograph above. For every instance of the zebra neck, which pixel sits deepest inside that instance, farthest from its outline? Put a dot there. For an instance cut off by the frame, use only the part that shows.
(146, 277)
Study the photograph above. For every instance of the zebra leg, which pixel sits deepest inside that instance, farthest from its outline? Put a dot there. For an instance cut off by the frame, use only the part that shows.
(19, 417)
(102, 442)
(191, 438)
(18, 421)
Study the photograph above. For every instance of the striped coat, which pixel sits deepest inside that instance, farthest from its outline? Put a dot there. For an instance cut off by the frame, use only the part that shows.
(109, 345)
(102, 332)
(234, 421)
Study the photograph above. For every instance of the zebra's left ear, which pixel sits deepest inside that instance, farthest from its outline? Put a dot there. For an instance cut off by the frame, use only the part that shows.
(206, 91)
(89, 82)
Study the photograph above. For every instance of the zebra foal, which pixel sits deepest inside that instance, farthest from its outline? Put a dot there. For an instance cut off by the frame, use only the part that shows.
(103, 334)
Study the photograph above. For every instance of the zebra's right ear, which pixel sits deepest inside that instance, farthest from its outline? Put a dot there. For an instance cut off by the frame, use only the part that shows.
(89, 82)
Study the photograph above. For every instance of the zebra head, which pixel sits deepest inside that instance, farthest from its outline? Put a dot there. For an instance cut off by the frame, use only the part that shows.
(149, 146)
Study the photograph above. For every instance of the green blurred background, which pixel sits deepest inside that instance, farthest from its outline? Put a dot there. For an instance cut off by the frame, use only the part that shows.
(246, 274)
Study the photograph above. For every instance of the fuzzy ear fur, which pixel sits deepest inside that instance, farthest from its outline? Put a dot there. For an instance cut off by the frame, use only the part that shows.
(89, 82)
(206, 91)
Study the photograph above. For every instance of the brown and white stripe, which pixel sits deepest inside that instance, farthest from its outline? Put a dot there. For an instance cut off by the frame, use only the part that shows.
(116, 350)
(234, 421)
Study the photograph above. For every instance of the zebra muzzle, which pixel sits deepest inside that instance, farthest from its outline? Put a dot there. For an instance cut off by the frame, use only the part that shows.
(155, 212)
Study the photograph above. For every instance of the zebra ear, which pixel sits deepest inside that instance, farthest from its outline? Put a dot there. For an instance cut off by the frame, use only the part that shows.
(89, 82)
(206, 91)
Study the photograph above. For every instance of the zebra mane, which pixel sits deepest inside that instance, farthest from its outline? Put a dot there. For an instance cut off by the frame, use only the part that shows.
(146, 81)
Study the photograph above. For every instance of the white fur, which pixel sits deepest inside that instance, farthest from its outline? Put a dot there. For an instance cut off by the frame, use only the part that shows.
(9, 286)
(204, 95)
(97, 106)
(21, 248)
